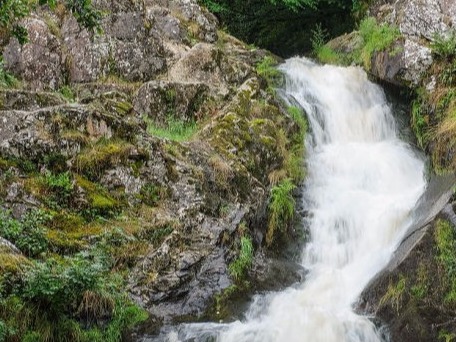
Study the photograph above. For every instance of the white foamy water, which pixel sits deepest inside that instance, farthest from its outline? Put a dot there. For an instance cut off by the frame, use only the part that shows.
(361, 186)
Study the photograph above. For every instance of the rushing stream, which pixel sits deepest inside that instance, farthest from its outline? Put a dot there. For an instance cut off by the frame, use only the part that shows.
(362, 184)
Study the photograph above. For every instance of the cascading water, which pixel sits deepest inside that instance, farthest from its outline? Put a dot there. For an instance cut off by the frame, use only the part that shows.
(362, 184)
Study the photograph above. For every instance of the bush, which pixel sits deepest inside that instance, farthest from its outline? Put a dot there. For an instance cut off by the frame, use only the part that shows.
(60, 186)
(59, 286)
(28, 234)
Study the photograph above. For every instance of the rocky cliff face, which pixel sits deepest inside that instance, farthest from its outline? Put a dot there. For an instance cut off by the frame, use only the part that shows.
(92, 107)
(414, 295)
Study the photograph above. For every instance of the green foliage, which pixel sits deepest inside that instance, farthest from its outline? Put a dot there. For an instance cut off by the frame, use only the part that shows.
(11, 11)
(56, 297)
(6, 79)
(319, 38)
(175, 129)
(60, 285)
(60, 187)
(242, 263)
(150, 194)
(28, 234)
(445, 238)
(84, 12)
(294, 157)
(266, 69)
(394, 294)
(94, 159)
(446, 336)
(444, 46)
(281, 209)
(419, 122)
(67, 93)
(375, 38)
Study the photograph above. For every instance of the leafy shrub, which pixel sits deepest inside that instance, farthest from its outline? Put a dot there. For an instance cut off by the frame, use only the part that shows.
(60, 185)
(244, 260)
(28, 234)
(60, 285)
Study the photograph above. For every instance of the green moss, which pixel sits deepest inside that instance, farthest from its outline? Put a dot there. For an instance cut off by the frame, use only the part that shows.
(100, 202)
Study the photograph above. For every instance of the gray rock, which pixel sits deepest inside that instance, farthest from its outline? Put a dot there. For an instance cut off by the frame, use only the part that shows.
(417, 59)
(39, 61)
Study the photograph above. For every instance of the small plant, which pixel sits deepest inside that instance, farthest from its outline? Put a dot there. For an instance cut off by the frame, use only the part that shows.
(444, 46)
(175, 129)
(60, 185)
(93, 160)
(319, 37)
(268, 71)
(151, 194)
(244, 260)
(28, 234)
(281, 209)
(445, 238)
(67, 93)
(375, 38)
(420, 122)
(394, 294)
(6, 79)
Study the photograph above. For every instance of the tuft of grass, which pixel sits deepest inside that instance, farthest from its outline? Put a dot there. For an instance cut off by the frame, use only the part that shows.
(94, 159)
(267, 70)
(394, 294)
(420, 122)
(242, 263)
(281, 209)
(375, 38)
(444, 46)
(175, 129)
(445, 238)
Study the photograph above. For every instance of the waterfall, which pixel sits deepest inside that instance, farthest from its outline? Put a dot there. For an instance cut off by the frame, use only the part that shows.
(362, 183)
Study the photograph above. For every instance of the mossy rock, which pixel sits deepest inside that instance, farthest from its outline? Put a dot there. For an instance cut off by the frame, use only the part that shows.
(94, 159)
(99, 201)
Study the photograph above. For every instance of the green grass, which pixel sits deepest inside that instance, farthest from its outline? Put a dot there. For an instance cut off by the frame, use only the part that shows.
(444, 46)
(267, 70)
(419, 123)
(281, 209)
(242, 263)
(294, 154)
(375, 38)
(394, 294)
(445, 238)
(175, 129)
(94, 159)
